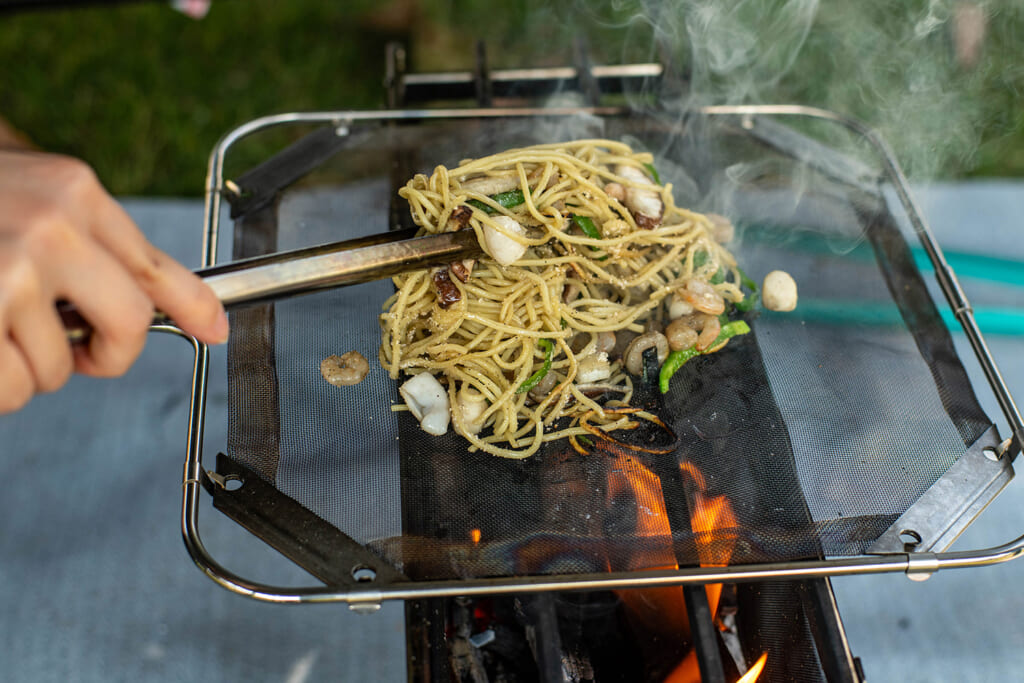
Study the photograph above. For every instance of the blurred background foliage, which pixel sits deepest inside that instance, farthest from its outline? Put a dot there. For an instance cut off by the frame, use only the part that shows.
(143, 93)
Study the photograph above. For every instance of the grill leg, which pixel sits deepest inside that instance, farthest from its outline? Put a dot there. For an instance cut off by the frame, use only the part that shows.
(819, 605)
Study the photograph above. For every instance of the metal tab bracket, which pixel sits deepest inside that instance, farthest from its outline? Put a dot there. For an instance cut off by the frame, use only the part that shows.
(951, 503)
(300, 535)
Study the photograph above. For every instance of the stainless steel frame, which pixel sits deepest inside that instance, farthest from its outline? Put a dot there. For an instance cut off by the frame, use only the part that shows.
(917, 565)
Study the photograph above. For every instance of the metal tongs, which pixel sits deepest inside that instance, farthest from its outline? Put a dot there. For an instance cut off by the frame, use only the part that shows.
(327, 266)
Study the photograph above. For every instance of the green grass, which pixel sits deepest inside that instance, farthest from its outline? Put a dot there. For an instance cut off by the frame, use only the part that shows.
(143, 93)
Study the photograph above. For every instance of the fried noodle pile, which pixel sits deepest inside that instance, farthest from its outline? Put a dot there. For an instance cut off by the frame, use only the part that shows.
(586, 251)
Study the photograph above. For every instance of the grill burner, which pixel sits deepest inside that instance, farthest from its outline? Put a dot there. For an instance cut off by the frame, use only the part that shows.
(588, 634)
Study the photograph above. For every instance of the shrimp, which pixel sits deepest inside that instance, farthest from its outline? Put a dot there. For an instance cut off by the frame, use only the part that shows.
(703, 297)
(344, 370)
(711, 327)
(683, 332)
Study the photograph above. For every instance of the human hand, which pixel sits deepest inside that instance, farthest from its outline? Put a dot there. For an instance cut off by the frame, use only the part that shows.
(63, 238)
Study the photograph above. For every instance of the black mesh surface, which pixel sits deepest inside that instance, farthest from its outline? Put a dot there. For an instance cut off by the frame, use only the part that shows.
(817, 430)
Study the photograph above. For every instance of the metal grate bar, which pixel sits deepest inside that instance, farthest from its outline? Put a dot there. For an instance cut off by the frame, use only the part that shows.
(484, 85)
(702, 630)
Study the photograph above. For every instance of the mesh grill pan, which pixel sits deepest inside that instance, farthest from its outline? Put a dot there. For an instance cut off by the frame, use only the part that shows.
(818, 430)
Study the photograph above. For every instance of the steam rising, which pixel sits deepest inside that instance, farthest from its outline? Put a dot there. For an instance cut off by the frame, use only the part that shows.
(740, 50)
(916, 71)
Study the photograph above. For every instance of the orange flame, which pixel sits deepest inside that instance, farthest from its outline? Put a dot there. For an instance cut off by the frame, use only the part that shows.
(650, 609)
(475, 536)
(710, 522)
(712, 517)
(754, 671)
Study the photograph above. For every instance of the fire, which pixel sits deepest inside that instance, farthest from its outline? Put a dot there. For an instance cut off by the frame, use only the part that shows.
(653, 608)
(711, 515)
(711, 519)
(755, 670)
(474, 535)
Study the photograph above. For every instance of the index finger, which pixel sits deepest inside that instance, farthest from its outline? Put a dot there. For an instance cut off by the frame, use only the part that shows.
(172, 287)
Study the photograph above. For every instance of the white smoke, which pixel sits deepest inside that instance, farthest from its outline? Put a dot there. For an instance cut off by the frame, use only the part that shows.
(914, 71)
(920, 72)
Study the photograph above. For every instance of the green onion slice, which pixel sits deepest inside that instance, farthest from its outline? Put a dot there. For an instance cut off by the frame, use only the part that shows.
(654, 172)
(586, 224)
(678, 359)
(504, 199)
(533, 380)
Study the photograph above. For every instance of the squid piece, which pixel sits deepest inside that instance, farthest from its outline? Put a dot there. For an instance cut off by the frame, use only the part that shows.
(471, 405)
(501, 248)
(428, 402)
(645, 204)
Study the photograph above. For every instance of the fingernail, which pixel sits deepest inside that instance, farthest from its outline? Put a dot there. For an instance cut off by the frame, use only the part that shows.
(222, 328)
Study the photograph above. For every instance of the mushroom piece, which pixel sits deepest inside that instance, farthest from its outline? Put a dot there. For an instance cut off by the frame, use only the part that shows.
(605, 342)
(491, 184)
(462, 269)
(499, 246)
(593, 368)
(570, 291)
(778, 292)
(459, 218)
(428, 402)
(634, 355)
(446, 291)
(541, 390)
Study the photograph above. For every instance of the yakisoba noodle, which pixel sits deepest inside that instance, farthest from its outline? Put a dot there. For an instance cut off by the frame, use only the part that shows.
(592, 245)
